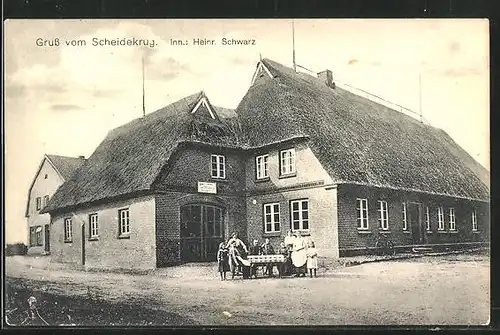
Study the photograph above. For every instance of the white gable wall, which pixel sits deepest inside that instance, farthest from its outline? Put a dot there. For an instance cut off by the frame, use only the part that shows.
(41, 187)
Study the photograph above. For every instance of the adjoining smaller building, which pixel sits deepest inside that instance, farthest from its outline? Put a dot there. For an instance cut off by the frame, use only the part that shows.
(52, 172)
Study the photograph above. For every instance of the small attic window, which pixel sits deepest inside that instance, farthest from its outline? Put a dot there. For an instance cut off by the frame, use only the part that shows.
(46, 176)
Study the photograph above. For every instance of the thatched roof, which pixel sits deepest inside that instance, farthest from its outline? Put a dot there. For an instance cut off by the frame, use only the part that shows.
(357, 140)
(131, 156)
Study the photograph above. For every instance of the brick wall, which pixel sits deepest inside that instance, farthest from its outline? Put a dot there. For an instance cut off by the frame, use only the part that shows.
(308, 182)
(41, 187)
(322, 218)
(168, 206)
(178, 186)
(167, 229)
(109, 251)
(192, 165)
(308, 169)
(352, 238)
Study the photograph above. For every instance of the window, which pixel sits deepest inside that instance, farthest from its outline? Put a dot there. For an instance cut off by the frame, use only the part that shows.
(32, 236)
(362, 208)
(38, 203)
(383, 220)
(93, 226)
(45, 200)
(474, 220)
(271, 218)
(287, 161)
(218, 166)
(39, 240)
(451, 215)
(124, 226)
(68, 230)
(405, 221)
(440, 218)
(262, 166)
(427, 219)
(300, 214)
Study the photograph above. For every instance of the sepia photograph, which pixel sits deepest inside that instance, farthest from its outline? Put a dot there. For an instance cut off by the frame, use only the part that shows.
(246, 172)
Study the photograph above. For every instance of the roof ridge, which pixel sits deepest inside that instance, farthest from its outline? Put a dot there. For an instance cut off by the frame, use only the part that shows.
(63, 156)
(364, 100)
(171, 107)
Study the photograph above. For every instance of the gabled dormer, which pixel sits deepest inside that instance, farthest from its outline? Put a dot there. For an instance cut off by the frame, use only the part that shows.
(208, 126)
(261, 74)
(204, 109)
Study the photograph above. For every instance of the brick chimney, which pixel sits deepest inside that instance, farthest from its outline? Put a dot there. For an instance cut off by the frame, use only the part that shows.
(327, 78)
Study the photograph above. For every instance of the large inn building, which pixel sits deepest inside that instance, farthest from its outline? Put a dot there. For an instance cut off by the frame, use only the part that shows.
(298, 153)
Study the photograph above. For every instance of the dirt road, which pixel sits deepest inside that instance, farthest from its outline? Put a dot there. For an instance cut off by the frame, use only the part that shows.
(431, 290)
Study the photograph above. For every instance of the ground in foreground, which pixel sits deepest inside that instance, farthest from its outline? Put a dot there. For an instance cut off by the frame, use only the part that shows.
(426, 291)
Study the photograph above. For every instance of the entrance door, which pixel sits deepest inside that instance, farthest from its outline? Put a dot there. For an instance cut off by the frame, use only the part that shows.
(415, 223)
(201, 232)
(83, 244)
(47, 237)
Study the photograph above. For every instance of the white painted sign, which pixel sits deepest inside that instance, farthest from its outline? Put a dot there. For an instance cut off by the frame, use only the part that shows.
(204, 187)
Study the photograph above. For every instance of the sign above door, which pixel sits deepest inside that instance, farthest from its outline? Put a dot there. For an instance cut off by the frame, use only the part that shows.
(204, 187)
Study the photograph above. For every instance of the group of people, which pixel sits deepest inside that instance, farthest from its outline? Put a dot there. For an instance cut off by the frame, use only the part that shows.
(300, 255)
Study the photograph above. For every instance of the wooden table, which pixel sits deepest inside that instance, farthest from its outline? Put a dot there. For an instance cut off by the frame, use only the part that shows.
(265, 261)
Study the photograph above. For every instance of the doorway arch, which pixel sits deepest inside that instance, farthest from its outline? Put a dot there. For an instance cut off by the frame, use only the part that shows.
(201, 231)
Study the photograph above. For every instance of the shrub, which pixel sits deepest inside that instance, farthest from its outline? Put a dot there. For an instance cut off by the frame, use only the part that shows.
(16, 249)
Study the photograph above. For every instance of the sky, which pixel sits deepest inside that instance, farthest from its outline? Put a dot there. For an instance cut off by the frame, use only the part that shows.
(64, 99)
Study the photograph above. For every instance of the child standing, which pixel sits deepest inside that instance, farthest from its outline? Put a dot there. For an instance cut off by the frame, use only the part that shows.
(312, 259)
(223, 260)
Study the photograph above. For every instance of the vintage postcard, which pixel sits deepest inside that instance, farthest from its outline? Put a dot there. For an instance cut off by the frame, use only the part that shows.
(247, 172)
